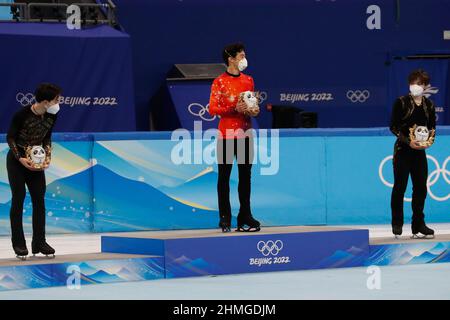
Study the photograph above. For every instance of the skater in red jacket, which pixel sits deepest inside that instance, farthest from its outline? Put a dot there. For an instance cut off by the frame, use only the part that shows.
(233, 140)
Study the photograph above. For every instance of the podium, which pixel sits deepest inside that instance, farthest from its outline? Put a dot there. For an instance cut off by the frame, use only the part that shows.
(189, 253)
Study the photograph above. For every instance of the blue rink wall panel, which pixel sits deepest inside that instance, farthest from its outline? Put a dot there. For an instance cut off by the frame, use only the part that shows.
(428, 251)
(88, 272)
(108, 182)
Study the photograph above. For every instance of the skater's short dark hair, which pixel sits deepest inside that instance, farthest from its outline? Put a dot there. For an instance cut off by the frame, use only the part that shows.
(232, 50)
(420, 76)
(47, 91)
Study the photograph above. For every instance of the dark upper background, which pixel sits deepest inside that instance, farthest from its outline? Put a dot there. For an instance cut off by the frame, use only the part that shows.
(290, 44)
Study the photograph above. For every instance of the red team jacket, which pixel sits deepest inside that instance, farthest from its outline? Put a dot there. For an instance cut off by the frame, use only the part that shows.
(225, 92)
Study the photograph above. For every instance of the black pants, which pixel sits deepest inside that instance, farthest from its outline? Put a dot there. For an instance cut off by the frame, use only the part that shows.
(407, 162)
(227, 150)
(19, 176)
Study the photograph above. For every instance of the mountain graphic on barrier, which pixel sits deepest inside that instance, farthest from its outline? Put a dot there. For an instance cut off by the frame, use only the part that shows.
(123, 204)
(120, 204)
(405, 258)
(198, 184)
(438, 249)
(206, 185)
(402, 255)
(30, 276)
(443, 257)
(351, 257)
(9, 283)
(91, 272)
(127, 275)
(104, 277)
(114, 270)
(423, 258)
(426, 256)
(132, 169)
(86, 269)
(185, 266)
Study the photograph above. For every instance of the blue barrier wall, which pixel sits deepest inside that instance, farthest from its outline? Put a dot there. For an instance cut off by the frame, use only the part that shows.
(126, 181)
(5, 12)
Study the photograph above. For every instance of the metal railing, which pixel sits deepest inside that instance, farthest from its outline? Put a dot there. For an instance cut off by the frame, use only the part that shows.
(91, 13)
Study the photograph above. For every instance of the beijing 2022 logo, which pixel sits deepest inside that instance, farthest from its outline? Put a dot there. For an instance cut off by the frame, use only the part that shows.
(270, 251)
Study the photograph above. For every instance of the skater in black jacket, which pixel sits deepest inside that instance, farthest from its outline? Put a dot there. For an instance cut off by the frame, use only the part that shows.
(29, 140)
(413, 121)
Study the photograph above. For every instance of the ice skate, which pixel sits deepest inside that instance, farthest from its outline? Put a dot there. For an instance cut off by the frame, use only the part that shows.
(21, 252)
(422, 232)
(397, 231)
(44, 248)
(225, 224)
(248, 224)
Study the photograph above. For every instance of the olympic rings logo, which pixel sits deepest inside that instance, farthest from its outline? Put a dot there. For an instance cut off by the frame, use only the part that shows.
(358, 95)
(25, 99)
(261, 96)
(197, 109)
(433, 177)
(270, 247)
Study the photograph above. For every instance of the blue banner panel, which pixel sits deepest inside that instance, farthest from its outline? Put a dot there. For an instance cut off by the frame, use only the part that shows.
(336, 106)
(191, 102)
(92, 66)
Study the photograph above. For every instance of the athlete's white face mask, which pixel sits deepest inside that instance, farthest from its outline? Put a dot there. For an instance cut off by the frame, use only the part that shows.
(243, 64)
(53, 109)
(416, 90)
